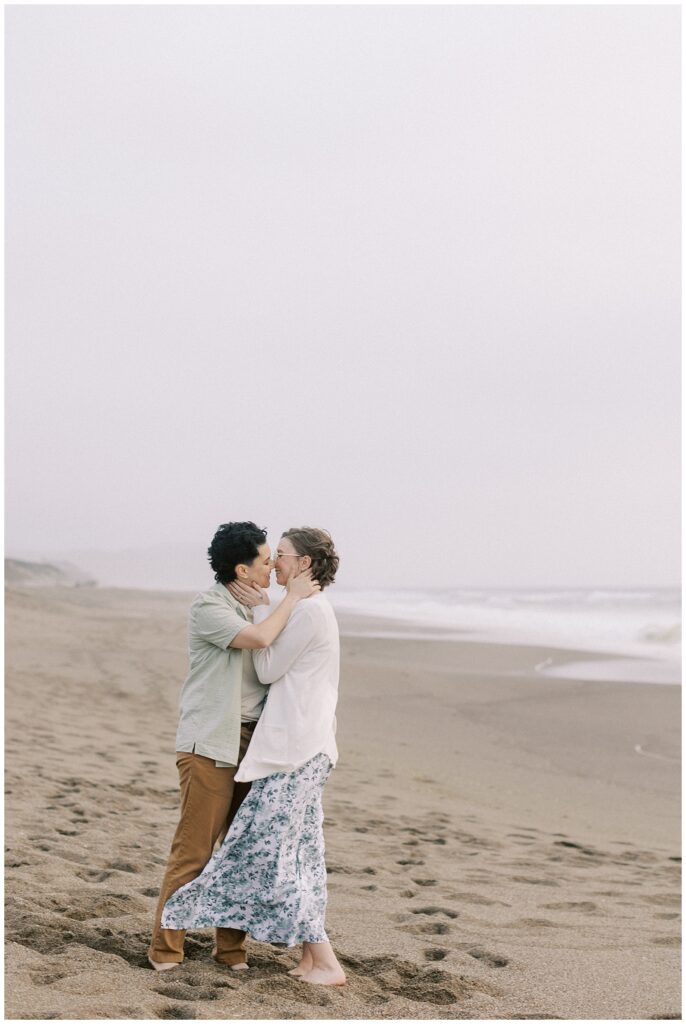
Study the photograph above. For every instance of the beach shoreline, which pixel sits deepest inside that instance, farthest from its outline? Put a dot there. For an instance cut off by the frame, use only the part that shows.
(497, 845)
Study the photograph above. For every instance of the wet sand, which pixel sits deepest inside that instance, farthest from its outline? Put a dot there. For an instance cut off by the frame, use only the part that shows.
(499, 845)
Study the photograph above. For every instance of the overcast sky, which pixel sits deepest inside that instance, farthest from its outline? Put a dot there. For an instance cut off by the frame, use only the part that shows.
(407, 273)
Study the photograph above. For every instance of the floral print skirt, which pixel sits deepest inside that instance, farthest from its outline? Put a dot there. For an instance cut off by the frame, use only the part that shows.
(268, 877)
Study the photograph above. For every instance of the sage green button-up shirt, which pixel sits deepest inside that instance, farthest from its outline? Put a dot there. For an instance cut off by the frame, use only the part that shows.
(210, 702)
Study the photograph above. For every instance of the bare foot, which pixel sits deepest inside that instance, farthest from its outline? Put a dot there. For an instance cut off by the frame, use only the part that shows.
(304, 967)
(324, 976)
(157, 965)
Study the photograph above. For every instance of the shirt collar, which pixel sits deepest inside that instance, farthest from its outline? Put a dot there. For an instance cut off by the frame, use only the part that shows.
(219, 588)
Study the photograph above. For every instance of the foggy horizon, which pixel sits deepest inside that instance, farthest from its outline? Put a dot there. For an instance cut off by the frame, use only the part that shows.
(118, 569)
(410, 274)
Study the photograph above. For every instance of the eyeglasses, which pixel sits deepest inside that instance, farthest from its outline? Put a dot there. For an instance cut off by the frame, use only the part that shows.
(285, 554)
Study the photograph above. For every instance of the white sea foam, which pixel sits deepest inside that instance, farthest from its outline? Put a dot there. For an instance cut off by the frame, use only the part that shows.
(638, 623)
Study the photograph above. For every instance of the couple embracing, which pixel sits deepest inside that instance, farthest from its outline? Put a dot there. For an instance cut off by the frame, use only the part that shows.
(254, 747)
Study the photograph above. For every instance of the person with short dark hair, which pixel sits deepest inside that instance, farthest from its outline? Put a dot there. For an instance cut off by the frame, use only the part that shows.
(234, 544)
(220, 705)
(269, 877)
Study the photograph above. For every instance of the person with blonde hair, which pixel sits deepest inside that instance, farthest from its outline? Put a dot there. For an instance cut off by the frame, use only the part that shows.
(269, 877)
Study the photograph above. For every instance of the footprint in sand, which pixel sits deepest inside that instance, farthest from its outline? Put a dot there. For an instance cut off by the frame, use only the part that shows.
(430, 911)
(490, 959)
(48, 977)
(585, 906)
(587, 851)
(391, 976)
(183, 990)
(120, 865)
(129, 946)
(535, 1015)
(426, 882)
(435, 953)
(633, 856)
(431, 928)
(663, 899)
(73, 858)
(468, 839)
(414, 863)
(443, 819)
(94, 875)
(101, 906)
(290, 989)
(536, 922)
(180, 1012)
(522, 879)
(481, 901)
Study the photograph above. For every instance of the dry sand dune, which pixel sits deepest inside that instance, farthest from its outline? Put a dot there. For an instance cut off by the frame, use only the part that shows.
(497, 849)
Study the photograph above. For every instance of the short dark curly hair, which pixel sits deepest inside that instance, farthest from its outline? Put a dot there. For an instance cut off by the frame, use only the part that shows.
(234, 544)
(308, 540)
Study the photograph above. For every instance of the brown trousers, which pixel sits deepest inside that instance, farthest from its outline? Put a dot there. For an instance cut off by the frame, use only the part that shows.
(209, 801)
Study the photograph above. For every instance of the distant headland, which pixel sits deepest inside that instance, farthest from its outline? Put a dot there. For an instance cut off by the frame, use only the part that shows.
(45, 574)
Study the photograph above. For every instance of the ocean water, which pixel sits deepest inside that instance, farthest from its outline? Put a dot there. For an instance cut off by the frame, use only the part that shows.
(640, 627)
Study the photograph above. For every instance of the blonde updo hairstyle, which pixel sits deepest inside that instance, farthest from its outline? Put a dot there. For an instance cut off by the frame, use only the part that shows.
(308, 540)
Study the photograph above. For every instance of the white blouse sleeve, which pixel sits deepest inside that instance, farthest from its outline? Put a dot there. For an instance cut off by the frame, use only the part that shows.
(272, 663)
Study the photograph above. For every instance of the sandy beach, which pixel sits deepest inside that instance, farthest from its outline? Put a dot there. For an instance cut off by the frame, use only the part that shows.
(499, 845)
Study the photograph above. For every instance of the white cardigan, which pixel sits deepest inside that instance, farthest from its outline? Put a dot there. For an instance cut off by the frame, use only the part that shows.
(301, 669)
